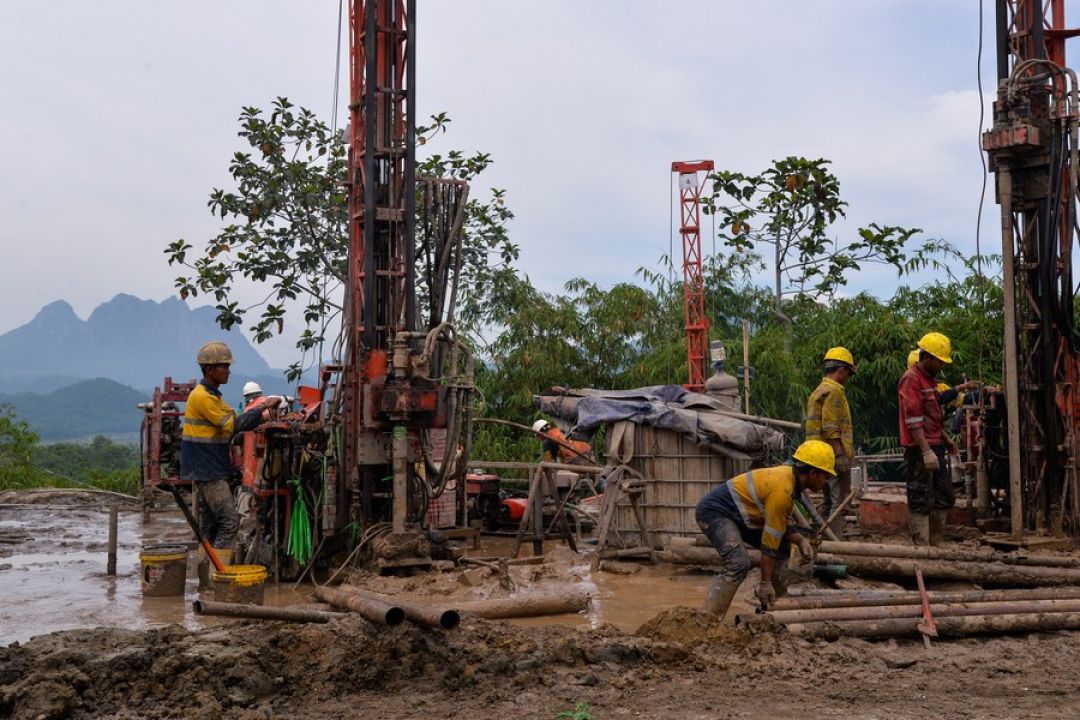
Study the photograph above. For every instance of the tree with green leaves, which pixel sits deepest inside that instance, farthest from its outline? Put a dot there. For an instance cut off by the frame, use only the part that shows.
(287, 227)
(789, 208)
(17, 442)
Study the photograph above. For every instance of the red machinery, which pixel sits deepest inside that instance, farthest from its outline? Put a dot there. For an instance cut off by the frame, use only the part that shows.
(697, 324)
(159, 436)
(1033, 150)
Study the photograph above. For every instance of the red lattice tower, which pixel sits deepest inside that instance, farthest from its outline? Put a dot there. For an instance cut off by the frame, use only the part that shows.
(697, 324)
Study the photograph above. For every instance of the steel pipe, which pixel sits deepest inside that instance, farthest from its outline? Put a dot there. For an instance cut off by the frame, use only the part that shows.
(376, 611)
(1020, 575)
(879, 612)
(261, 612)
(527, 606)
(946, 626)
(870, 598)
(419, 613)
(933, 553)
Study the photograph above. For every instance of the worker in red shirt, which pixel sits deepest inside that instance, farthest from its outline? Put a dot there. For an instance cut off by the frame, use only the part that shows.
(922, 433)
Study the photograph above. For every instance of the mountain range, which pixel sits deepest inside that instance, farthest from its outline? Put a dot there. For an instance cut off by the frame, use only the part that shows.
(132, 342)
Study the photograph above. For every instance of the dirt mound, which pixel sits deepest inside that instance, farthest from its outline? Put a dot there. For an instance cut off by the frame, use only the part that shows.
(270, 667)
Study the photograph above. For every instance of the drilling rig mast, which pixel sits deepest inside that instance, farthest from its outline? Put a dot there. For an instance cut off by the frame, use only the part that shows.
(1033, 152)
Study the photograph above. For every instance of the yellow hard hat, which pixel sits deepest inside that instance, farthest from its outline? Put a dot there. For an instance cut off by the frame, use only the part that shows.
(841, 354)
(937, 345)
(912, 358)
(817, 454)
(214, 353)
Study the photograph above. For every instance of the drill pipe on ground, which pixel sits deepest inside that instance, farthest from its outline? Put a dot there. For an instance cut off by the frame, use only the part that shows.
(946, 626)
(954, 570)
(868, 598)
(527, 606)
(261, 612)
(933, 553)
(879, 612)
(445, 618)
(377, 611)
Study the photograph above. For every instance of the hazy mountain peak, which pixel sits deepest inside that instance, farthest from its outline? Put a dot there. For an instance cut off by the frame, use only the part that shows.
(127, 339)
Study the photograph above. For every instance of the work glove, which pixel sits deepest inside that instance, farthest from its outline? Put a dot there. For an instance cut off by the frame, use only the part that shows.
(766, 594)
(930, 460)
(806, 550)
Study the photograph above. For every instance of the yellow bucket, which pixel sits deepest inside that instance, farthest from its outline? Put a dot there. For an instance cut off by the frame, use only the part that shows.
(164, 570)
(239, 584)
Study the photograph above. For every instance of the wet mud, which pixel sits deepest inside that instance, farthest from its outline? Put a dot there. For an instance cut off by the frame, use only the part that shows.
(638, 652)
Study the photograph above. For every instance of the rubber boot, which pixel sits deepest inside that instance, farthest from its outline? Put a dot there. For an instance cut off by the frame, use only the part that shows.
(202, 568)
(780, 577)
(937, 527)
(920, 529)
(719, 597)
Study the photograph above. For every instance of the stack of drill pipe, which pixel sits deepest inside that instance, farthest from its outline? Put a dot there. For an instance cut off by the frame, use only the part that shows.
(937, 553)
(876, 614)
(963, 570)
(822, 599)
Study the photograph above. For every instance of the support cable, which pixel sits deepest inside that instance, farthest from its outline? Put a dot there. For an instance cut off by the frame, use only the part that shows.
(981, 282)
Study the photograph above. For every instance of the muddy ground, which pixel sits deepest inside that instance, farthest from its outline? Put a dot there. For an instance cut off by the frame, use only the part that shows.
(635, 653)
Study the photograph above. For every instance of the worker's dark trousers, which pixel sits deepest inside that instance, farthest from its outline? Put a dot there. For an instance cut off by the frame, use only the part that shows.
(218, 518)
(926, 490)
(834, 493)
(730, 538)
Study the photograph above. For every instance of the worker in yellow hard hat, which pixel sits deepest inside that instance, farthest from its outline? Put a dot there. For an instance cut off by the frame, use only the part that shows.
(753, 509)
(205, 461)
(922, 434)
(828, 418)
(948, 395)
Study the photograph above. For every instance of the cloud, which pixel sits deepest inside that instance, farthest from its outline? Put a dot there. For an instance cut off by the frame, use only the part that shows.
(123, 116)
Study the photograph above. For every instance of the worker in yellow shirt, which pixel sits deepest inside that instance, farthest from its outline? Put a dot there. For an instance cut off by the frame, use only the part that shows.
(753, 508)
(828, 418)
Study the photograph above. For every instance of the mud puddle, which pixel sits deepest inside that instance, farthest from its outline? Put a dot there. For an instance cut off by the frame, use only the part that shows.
(55, 579)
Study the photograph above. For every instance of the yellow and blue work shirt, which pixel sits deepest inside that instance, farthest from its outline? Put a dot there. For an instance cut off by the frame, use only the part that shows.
(828, 416)
(209, 426)
(758, 499)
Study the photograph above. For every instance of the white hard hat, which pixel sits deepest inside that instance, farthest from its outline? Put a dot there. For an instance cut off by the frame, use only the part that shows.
(252, 388)
(539, 425)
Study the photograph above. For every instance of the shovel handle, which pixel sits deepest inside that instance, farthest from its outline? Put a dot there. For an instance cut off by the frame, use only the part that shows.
(195, 529)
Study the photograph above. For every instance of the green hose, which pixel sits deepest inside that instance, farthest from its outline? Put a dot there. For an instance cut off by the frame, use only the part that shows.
(299, 542)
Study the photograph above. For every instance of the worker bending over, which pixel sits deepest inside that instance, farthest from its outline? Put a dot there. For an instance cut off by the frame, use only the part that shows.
(828, 418)
(929, 487)
(559, 448)
(209, 426)
(753, 508)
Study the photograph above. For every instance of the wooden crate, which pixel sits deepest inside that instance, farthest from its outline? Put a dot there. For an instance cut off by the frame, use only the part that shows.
(677, 473)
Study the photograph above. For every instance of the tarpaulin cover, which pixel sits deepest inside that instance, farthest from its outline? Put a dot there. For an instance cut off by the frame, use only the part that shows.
(663, 406)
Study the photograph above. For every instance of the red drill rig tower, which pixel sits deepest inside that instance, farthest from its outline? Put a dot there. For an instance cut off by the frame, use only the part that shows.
(1033, 148)
(697, 324)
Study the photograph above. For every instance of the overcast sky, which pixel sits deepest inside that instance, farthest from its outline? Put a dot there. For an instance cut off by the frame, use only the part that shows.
(119, 117)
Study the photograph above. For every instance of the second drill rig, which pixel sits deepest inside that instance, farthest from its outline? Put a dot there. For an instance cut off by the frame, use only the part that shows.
(1033, 149)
